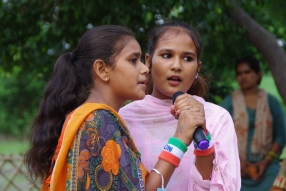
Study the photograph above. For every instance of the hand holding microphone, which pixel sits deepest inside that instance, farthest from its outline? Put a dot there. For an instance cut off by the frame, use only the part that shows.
(199, 136)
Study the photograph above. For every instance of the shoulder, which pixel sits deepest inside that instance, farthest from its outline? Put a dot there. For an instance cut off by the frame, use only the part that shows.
(272, 98)
(131, 104)
(273, 101)
(275, 105)
(218, 119)
(101, 113)
(215, 109)
(134, 106)
(130, 108)
(227, 99)
(227, 103)
(102, 117)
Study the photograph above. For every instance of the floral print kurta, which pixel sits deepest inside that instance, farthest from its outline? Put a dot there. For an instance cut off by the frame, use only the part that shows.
(105, 156)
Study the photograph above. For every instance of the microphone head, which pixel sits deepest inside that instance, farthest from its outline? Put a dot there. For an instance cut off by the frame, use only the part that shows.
(176, 95)
(203, 144)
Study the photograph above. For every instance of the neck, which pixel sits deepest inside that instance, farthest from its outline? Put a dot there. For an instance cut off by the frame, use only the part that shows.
(104, 97)
(250, 91)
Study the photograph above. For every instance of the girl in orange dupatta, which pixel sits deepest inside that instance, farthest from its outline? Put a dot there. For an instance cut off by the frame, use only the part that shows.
(78, 140)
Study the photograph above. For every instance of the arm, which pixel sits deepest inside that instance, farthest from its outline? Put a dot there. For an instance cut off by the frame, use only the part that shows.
(279, 122)
(279, 131)
(262, 165)
(187, 123)
(225, 175)
(184, 132)
(204, 165)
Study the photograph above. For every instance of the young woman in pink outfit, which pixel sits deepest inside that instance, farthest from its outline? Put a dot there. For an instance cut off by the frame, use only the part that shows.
(173, 58)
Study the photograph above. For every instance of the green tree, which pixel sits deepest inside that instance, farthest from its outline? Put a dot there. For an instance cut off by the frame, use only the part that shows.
(265, 42)
(35, 32)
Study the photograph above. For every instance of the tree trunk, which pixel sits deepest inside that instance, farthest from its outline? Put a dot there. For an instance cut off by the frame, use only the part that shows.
(265, 42)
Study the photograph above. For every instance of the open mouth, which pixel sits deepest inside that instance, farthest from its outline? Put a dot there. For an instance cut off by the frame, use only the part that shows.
(143, 82)
(174, 78)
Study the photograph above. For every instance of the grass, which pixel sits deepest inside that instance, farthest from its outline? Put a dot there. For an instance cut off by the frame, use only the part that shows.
(13, 146)
(269, 85)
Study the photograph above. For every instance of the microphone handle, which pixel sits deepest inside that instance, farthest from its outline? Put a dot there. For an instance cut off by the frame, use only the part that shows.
(200, 138)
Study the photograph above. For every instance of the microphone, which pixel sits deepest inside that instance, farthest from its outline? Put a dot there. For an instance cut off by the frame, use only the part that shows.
(199, 136)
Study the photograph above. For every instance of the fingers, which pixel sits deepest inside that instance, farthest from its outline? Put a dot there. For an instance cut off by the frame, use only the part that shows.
(245, 174)
(191, 117)
(190, 114)
(173, 110)
(260, 170)
(187, 124)
(258, 175)
(187, 102)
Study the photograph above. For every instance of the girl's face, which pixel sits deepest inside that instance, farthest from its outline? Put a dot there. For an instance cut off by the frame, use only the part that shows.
(174, 65)
(128, 78)
(246, 77)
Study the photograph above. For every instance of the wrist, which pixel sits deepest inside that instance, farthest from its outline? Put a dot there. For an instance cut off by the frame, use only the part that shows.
(271, 156)
(183, 138)
(206, 151)
(173, 151)
(268, 160)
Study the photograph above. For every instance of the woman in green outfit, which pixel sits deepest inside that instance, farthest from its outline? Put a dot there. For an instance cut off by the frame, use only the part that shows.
(260, 126)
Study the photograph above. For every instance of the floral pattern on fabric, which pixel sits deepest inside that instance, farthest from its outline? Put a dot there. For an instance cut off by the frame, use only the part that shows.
(263, 134)
(106, 156)
(111, 152)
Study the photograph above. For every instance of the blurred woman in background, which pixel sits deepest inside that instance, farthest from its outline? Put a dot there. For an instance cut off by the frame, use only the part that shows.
(260, 126)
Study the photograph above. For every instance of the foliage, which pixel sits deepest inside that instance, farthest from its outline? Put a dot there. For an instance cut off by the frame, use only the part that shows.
(36, 32)
(19, 100)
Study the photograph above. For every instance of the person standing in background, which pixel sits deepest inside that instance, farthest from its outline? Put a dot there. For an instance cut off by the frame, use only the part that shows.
(260, 125)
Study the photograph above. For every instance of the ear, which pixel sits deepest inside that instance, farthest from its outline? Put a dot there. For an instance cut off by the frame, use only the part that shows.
(148, 61)
(101, 70)
(259, 76)
(199, 66)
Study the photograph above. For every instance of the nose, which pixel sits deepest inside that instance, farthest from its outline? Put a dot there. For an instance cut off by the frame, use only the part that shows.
(176, 65)
(144, 69)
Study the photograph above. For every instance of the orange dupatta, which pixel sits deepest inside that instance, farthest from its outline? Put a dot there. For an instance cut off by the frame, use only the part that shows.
(57, 179)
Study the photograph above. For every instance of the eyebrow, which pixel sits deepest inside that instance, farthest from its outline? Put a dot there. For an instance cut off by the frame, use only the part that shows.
(137, 54)
(170, 50)
(243, 71)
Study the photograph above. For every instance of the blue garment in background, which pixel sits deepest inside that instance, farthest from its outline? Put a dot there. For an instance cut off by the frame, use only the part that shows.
(279, 132)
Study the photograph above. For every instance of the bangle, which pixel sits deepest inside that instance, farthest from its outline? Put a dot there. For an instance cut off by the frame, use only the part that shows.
(272, 154)
(157, 171)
